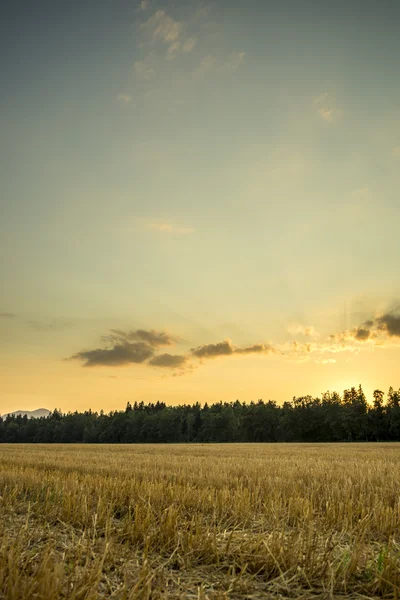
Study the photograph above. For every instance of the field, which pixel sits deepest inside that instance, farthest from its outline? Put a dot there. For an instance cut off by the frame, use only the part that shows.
(199, 521)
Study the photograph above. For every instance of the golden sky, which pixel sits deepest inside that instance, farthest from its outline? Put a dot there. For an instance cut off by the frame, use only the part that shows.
(199, 201)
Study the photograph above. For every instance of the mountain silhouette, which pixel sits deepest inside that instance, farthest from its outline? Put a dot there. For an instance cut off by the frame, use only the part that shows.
(31, 414)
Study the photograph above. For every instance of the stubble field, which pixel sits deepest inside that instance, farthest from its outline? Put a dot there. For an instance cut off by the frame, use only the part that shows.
(199, 521)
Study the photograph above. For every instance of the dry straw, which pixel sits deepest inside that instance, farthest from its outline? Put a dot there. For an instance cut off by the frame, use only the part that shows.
(199, 521)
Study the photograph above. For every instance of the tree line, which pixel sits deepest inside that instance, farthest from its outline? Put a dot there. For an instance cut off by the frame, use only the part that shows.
(331, 418)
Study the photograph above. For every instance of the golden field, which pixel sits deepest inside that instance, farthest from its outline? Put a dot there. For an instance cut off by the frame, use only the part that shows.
(199, 521)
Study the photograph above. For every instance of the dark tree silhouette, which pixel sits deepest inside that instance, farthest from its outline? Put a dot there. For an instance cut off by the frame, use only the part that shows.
(331, 418)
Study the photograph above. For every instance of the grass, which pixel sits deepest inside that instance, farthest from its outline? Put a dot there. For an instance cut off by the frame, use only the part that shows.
(199, 521)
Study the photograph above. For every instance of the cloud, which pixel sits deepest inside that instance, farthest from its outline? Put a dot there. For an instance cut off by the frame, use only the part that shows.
(326, 114)
(362, 334)
(189, 44)
(144, 5)
(226, 348)
(171, 361)
(390, 323)
(162, 27)
(168, 228)
(164, 37)
(164, 30)
(207, 64)
(211, 63)
(377, 331)
(396, 151)
(325, 107)
(321, 98)
(7, 315)
(319, 352)
(202, 11)
(235, 60)
(143, 70)
(124, 98)
(154, 338)
(382, 327)
(132, 347)
(123, 353)
(173, 49)
(306, 330)
(257, 349)
(140, 346)
(180, 46)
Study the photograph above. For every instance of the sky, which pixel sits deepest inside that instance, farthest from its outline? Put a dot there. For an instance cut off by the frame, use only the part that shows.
(199, 201)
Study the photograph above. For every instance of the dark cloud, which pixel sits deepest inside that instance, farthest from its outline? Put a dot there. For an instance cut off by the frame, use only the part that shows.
(390, 323)
(171, 361)
(140, 346)
(224, 348)
(120, 354)
(6, 315)
(376, 329)
(127, 347)
(153, 338)
(362, 334)
(256, 349)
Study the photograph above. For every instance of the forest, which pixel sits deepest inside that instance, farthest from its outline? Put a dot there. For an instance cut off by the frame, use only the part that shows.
(331, 418)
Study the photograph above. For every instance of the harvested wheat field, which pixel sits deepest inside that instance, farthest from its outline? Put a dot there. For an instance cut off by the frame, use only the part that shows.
(199, 521)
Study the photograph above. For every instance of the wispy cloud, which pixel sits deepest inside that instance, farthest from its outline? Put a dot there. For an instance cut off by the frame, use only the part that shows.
(212, 63)
(322, 98)
(207, 64)
(162, 27)
(144, 5)
(169, 228)
(165, 37)
(143, 68)
(189, 44)
(171, 34)
(235, 60)
(379, 331)
(7, 315)
(306, 330)
(202, 11)
(326, 114)
(325, 107)
(155, 339)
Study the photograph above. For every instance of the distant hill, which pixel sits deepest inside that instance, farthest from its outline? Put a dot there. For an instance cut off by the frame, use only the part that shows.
(31, 414)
